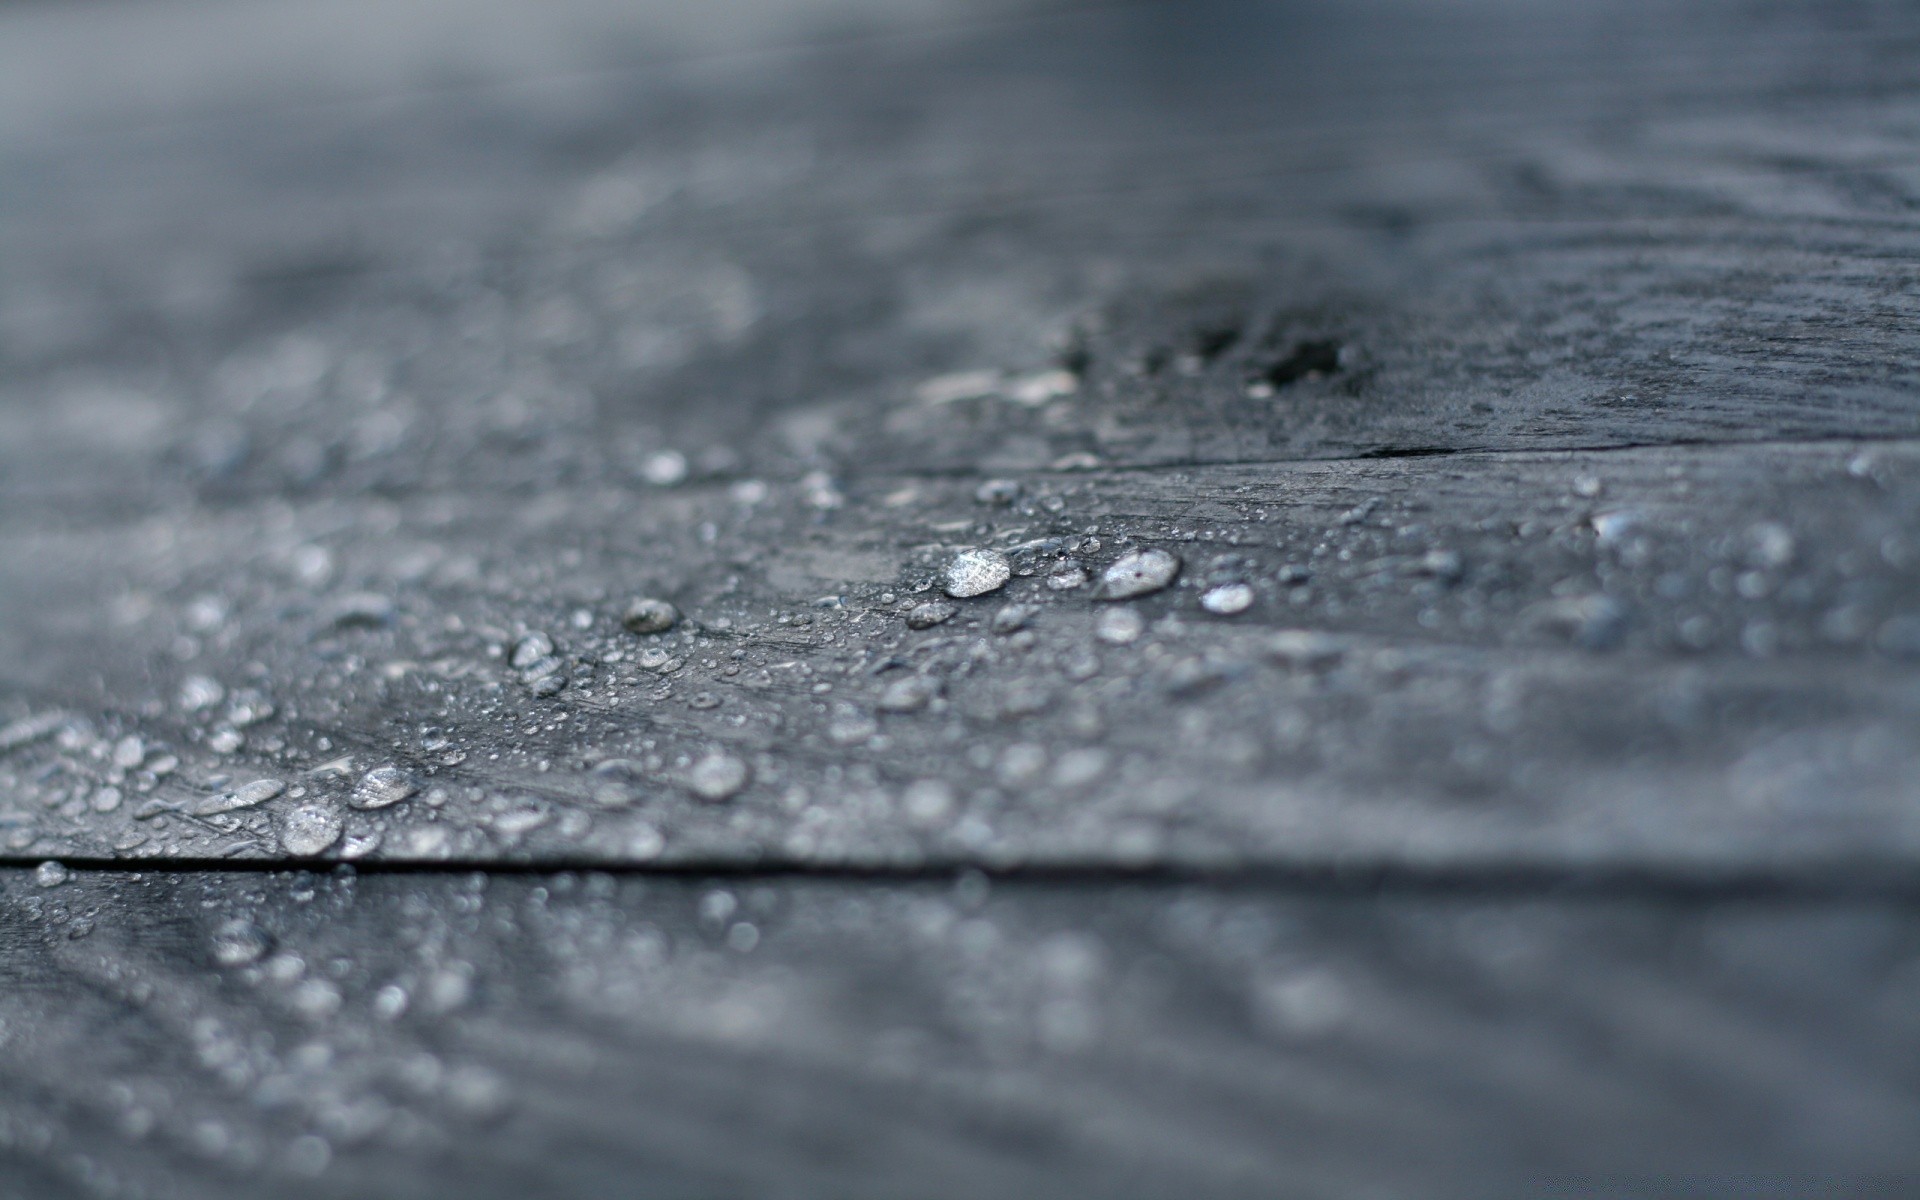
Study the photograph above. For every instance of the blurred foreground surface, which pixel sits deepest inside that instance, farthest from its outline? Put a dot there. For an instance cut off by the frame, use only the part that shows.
(958, 597)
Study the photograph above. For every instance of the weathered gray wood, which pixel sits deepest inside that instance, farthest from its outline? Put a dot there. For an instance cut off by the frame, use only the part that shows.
(1545, 372)
(1523, 227)
(585, 1036)
(1695, 658)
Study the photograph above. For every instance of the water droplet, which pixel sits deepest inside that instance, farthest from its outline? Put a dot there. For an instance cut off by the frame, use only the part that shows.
(258, 792)
(315, 998)
(360, 610)
(51, 874)
(239, 942)
(1120, 626)
(977, 572)
(1001, 492)
(1770, 546)
(717, 777)
(1039, 388)
(1138, 573)
(530, 650)
(927, 801)
(249, 707)
(1013, 618)
(933, 612)
(198, 693)
(850, 726)
(1066, 577)
(390, 1002)
(226, 741)
(648, 615)
(664, 469)
(645, 842)
(381, 787)
(1078, 768)
(1227, 599)
(129, 752)
(957, 386)
(1445, 565)
(30, 729)
(909, 694)
(1616, 526)
(309, 830)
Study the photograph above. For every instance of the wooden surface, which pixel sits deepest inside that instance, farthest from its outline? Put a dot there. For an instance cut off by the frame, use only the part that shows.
(1543, 821)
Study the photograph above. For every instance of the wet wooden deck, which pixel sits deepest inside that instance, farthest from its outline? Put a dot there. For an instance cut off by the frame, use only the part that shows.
(1510, 794)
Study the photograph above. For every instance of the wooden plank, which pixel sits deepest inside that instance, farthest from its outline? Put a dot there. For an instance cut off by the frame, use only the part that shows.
(1511, 228)
(1695, 659)
(403, 1035)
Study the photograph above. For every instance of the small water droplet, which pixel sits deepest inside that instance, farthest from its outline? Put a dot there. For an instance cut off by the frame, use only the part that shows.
(246, 796)
(239, 942)
(645, 842)
(1037, 389)
(717, 777)
(129, 752)
(198, 693)
(977, 572)
(933, 612)
(1013, 618)
(360, 610)
(927, 801)
(1770, 546)
(1120, 626)
(51, 874)
(1227, 599)
(530, 650)
(1000, 492)
(1138, 573)
(390, 1002)
(664, 469)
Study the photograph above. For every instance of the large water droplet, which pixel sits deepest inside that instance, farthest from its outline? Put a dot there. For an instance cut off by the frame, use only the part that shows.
(1138, 573)
(977, 572)
(381, 787)
(648, 615)
(308, 830)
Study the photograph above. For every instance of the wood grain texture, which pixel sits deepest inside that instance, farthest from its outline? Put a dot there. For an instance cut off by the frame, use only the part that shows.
(1697, 659)
(1534, 814)
(586, 1036)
